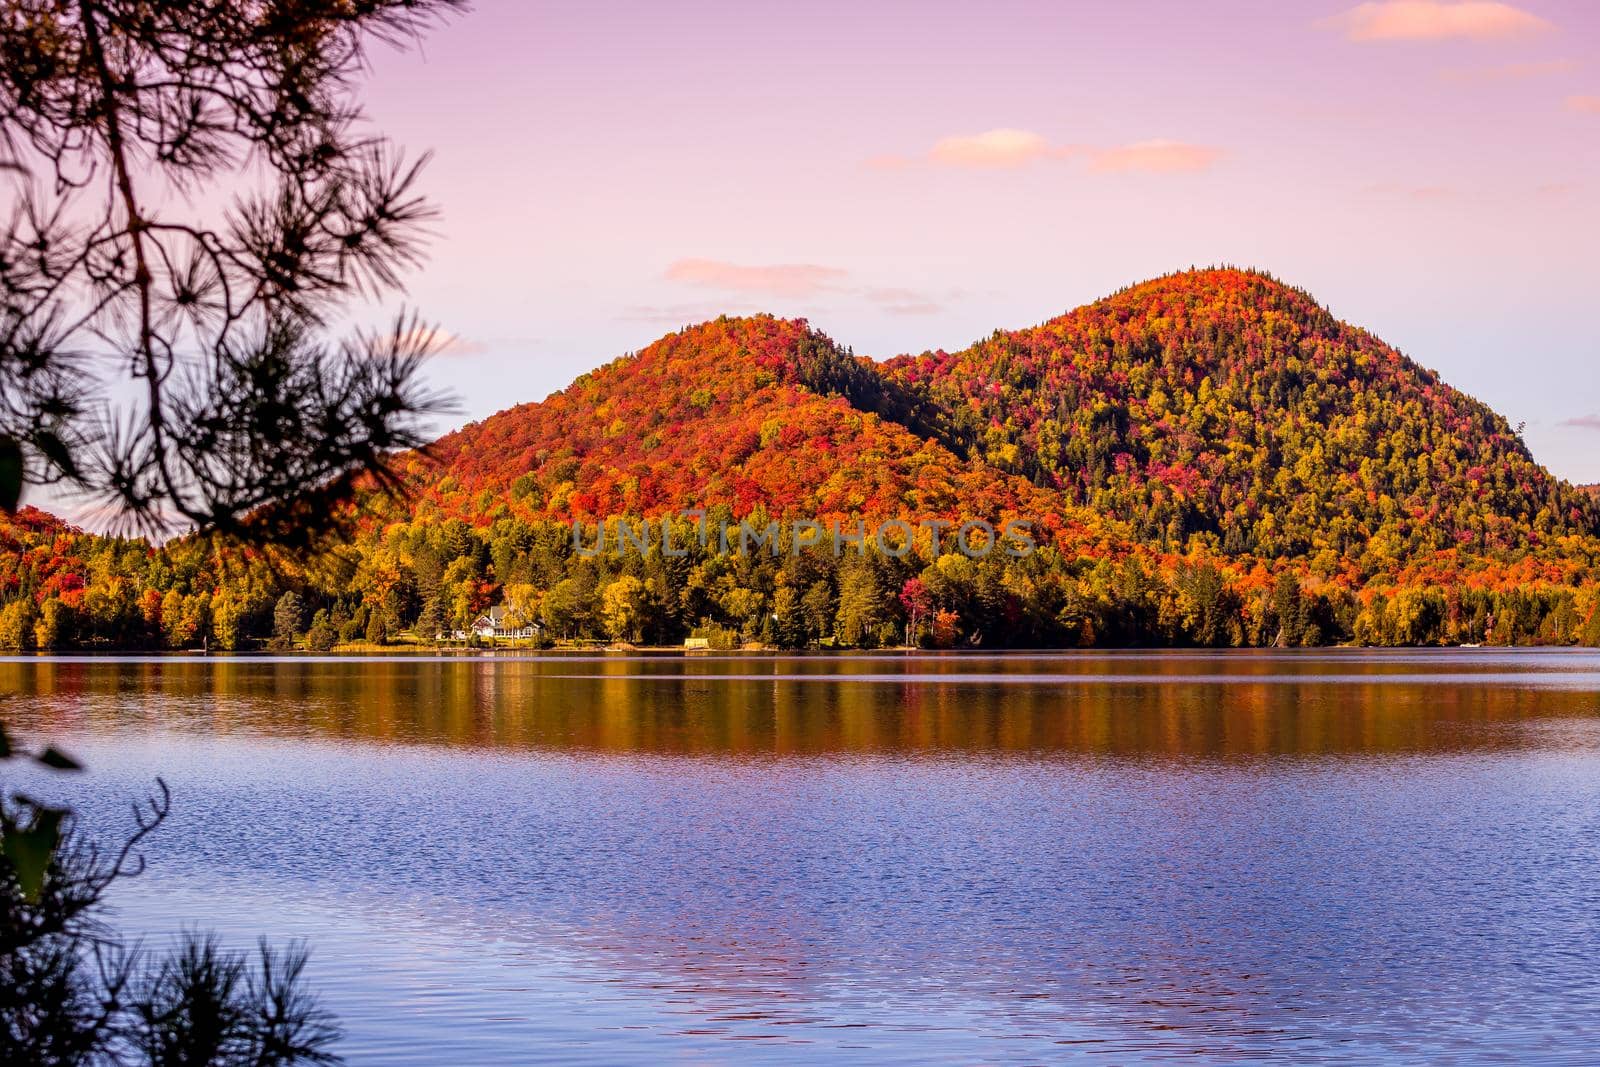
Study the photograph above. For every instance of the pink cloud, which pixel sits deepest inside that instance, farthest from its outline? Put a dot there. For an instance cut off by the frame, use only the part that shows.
(1001, 148)
(1158, 157)
(1557, 190)
(1510, 72)
(1583, 422)
(1434, 20)
(682, 314)
(1587, 105)
(1412, 192)
(904, 301)
(1010, 149)
(783, 279)
(451, 345)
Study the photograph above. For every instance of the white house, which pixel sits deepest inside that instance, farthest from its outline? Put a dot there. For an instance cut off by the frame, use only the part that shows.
(501, 625)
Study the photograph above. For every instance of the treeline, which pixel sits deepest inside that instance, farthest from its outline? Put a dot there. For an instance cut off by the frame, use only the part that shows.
(417, 581)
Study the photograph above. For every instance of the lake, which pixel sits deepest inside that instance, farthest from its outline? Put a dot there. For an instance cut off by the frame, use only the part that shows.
(1338, 856)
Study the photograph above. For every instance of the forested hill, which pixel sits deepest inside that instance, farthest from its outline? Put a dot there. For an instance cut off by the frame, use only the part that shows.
(1222, 408)
(1209, 458)
(1217, 411)
(739, 413)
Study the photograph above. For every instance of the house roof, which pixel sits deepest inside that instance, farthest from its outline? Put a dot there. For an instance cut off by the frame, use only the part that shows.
(500, 618)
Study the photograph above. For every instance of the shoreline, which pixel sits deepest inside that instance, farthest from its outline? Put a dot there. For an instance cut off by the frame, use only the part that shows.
(666, 651)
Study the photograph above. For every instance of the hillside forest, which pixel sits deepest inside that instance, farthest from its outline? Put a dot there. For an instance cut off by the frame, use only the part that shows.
(1209, 459)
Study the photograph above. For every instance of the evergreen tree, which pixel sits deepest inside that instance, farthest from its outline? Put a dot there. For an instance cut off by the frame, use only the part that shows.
(288, 619)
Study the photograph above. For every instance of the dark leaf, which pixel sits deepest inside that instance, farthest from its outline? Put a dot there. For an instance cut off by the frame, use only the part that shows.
(30, 848)
(54, 757)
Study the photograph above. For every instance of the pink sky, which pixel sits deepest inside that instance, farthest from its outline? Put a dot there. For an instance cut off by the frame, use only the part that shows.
(911, 176)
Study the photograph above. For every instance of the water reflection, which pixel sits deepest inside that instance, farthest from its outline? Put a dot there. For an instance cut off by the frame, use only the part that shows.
(1174, 705)
(1340, 857)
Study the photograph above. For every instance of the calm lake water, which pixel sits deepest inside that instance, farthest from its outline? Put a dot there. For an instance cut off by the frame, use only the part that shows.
(1339, 856)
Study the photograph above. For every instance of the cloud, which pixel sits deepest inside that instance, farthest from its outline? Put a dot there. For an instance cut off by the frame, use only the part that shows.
(1412, 192)
(679, 314)
(793, 280)
(1011, 149)
(1583, 422)
(906, 301)
(440, 343)
(1587, 105)
(1002, 148)
(783, 279)
(443, 344)
(1557, 190)
(1434, 20)
(1156, 157)
(1508, 72)
(451, 345)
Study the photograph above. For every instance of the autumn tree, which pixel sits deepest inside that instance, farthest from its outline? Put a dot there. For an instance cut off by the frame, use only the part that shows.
(917, 603)
(622, 608)
(17, 621)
